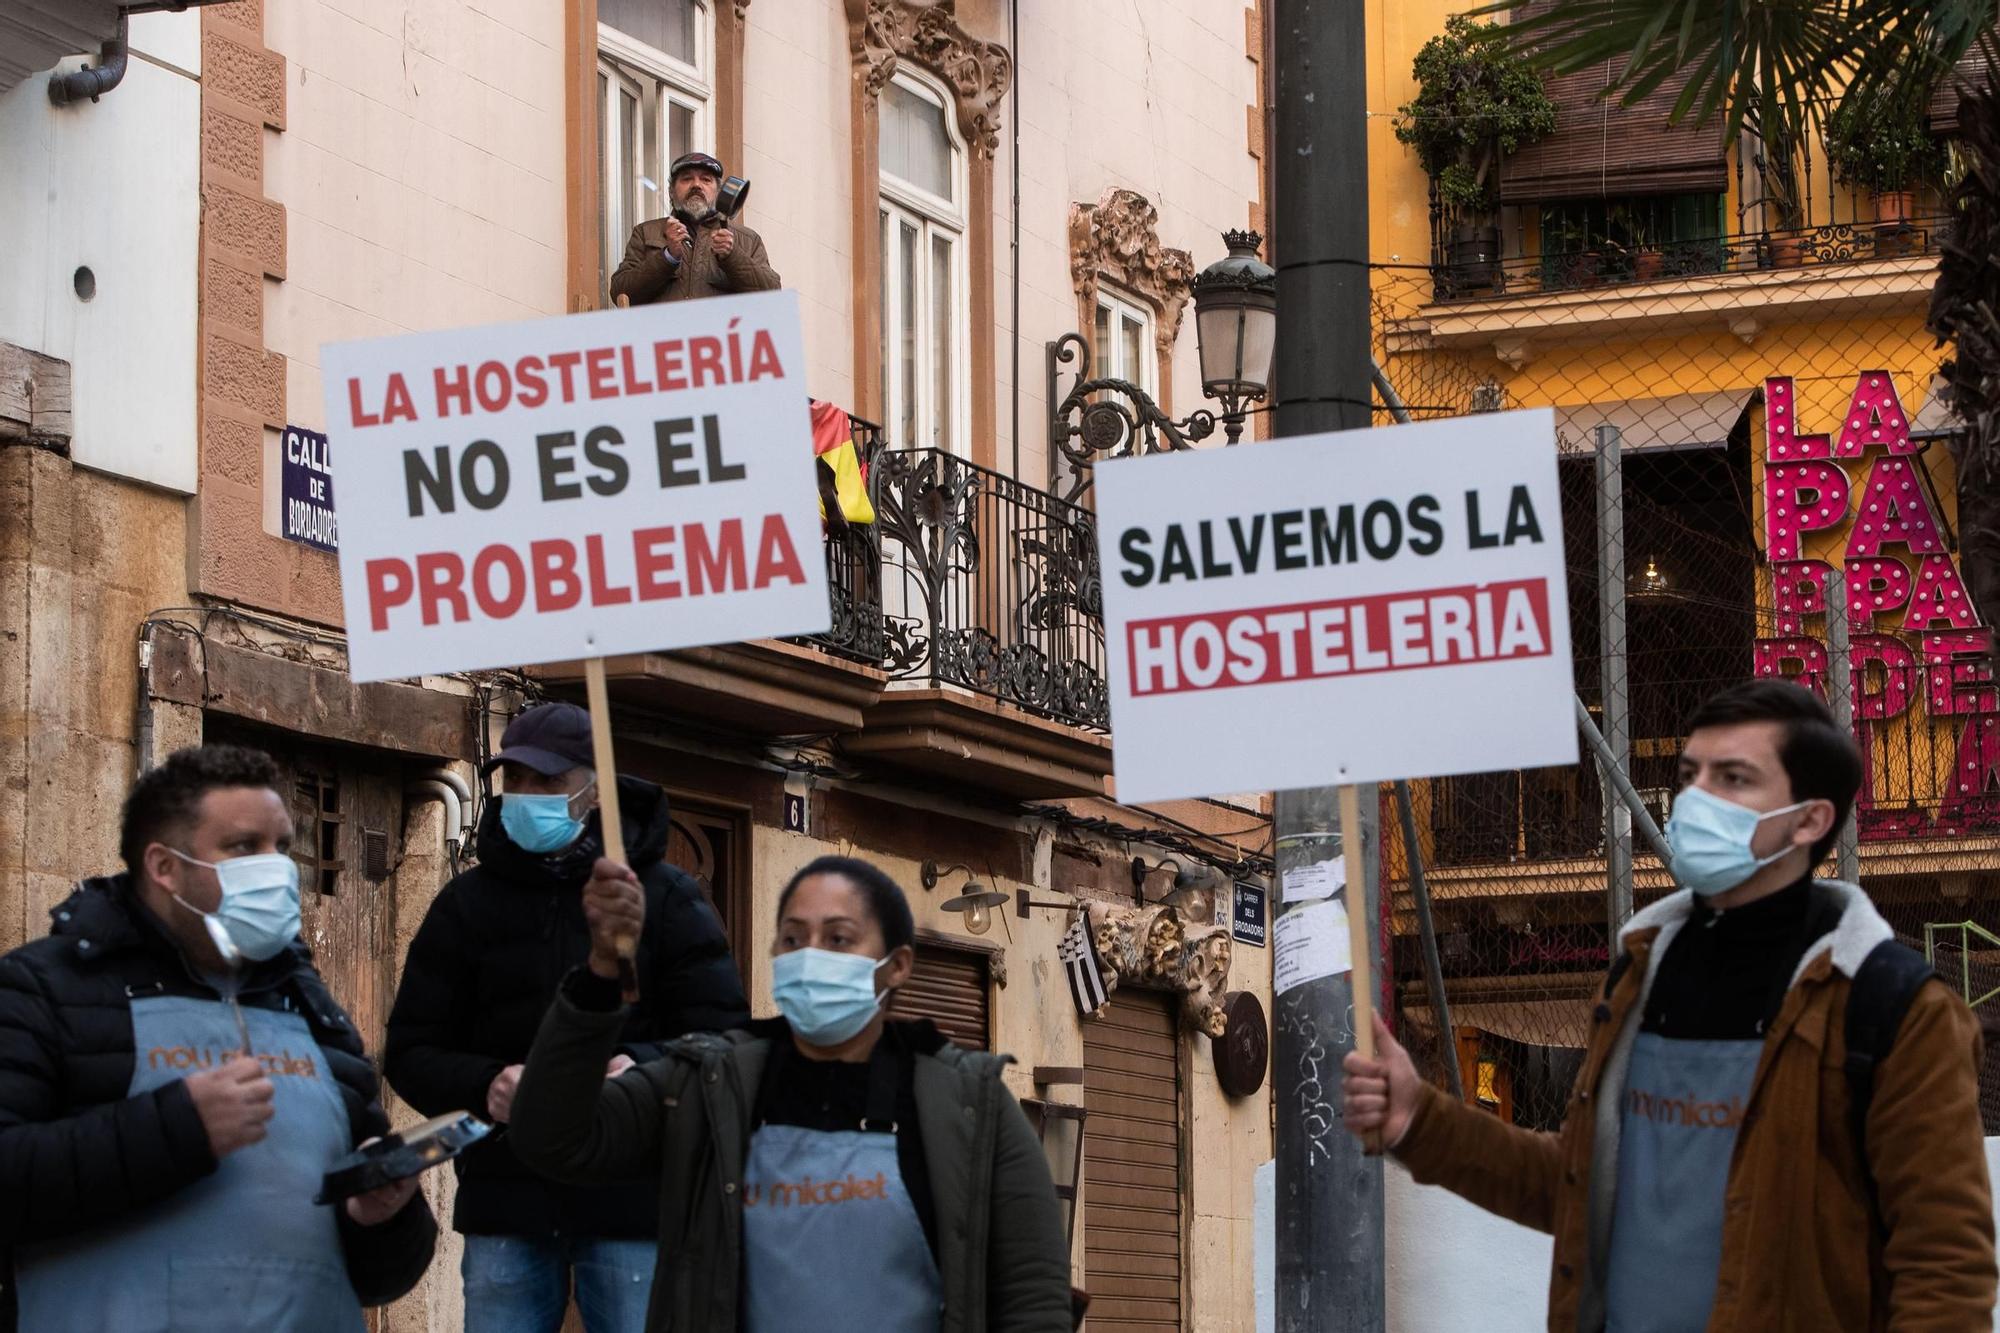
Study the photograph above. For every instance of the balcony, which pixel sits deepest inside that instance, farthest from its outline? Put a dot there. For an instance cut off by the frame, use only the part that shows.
(966, 643)
(992, 629)
(1595, 268)
(1743, 283)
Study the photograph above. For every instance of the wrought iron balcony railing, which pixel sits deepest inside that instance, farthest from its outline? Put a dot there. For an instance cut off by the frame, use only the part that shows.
(968, 577)
(1469, 274)
(991, 585)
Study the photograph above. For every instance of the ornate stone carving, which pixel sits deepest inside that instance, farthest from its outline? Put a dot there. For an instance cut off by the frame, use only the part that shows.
(928, 35)
(1118, 238)
(1153, 946)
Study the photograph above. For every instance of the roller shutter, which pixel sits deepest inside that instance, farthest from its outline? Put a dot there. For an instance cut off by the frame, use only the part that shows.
(949, 987)
(1132, 1171)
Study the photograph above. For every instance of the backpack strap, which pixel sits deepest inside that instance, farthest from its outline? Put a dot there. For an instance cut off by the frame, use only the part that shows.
(1884, 987)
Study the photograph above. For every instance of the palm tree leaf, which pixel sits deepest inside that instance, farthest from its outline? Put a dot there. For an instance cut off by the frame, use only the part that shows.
(1804, 52)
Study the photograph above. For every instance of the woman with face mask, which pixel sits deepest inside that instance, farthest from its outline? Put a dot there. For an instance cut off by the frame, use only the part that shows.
(829, 1168)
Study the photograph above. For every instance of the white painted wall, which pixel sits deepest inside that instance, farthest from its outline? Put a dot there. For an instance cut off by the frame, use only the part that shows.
(421, 170)
(1151, 97)
(1452, 1265)
(113, 186)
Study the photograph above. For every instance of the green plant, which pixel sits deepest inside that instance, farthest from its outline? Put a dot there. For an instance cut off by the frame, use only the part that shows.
(1475, 104)
(1883, 146)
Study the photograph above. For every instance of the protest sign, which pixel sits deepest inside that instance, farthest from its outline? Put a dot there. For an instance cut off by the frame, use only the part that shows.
(1337, 609)
(578, 487)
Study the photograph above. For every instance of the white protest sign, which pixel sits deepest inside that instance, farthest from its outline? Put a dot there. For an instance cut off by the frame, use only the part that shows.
(1336, 609)
(583, 486)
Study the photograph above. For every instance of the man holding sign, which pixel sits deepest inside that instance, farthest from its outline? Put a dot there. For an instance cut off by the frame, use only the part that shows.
(483, 968)
(1777, 1121)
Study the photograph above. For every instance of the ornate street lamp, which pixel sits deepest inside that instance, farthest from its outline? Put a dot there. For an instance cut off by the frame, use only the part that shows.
(1236, 323)
(1236, 319)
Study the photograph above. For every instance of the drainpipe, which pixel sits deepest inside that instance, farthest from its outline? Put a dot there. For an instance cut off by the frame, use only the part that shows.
(145, 721)
(95, 81)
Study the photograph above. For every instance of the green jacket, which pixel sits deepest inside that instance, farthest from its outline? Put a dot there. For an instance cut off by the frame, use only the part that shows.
(686, 1118)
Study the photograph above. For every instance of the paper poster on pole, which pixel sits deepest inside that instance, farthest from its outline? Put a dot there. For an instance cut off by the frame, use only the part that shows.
(1337, 609)
(584, 486)
(1313, 942)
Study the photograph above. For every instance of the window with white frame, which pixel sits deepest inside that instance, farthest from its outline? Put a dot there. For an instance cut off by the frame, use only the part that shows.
(654, 83)
(1123, 341)
(924, 335)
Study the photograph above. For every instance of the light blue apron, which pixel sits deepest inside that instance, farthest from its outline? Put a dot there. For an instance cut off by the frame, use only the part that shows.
(1683, 1104)
(242, 1250)
(831, 1241)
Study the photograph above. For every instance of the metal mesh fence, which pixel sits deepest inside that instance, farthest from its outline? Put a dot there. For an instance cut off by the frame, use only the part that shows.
(1778, 445)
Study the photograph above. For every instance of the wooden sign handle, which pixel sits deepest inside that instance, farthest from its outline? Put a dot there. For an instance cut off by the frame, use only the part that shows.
(609, 817)
(1360, 936)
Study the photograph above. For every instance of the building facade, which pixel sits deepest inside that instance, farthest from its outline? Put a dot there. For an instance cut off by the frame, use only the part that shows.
(1749, 320)
(950, 187)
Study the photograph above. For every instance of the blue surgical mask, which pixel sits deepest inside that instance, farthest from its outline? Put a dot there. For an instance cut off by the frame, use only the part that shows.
(541, 824)
(827, 997)
(1710, 840)
(259, 912)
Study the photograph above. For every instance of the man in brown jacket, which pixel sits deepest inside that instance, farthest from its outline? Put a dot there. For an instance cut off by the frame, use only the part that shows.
(694, 251)
(1711, 1173)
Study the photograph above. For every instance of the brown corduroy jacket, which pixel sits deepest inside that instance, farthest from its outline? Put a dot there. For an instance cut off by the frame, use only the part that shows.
(646, 275)
(1799, 1248)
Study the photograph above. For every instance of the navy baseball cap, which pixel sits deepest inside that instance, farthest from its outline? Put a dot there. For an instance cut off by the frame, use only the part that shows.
(550, 738)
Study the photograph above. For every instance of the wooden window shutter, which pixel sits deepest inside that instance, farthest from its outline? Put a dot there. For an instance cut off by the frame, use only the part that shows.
(1603, 148)
(1967, 73)
(949, 987)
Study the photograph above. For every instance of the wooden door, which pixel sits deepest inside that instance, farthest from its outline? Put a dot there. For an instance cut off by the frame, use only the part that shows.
(709, 844)
(952, 987)
(1132, 1164)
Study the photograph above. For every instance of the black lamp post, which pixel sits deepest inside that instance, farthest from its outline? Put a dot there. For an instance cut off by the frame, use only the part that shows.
(1236, 318)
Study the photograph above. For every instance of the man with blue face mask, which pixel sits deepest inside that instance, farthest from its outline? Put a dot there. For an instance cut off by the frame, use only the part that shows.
(175, 1080)
(1777, 1120)
(492, 950)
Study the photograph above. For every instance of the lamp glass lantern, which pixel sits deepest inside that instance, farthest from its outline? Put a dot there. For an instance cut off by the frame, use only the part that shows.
(974, 899)
(1236, 325)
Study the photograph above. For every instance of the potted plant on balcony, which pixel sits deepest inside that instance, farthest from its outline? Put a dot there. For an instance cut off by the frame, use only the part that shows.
(1633, 234)
(1884, 145)
(1475, 104)
(1777, 149)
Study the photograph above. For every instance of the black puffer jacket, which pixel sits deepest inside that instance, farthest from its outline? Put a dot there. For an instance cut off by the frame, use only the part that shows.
(77, 1153)
(482, 970)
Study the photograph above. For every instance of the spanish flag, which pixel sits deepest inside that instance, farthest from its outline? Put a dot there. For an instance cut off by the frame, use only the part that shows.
(833, 445)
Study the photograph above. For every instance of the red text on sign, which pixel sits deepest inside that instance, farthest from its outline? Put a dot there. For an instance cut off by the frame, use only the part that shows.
(1403, 631)
(501, 580)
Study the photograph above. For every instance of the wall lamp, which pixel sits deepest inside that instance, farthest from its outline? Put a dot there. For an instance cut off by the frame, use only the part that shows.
(974, 899)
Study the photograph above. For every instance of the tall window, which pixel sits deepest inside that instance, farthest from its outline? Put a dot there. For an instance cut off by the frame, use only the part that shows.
(654, 62)
(923, 268)
(1122, 347)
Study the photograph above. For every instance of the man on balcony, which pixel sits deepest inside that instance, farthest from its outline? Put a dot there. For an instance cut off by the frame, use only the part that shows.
(1777, 1122)
(694, 251)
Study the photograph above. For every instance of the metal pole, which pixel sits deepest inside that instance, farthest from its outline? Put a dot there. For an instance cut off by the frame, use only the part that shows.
(1642, 818)
(1420, 890)
(1330, 1238)
(1840, 696)
(1611, 667)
